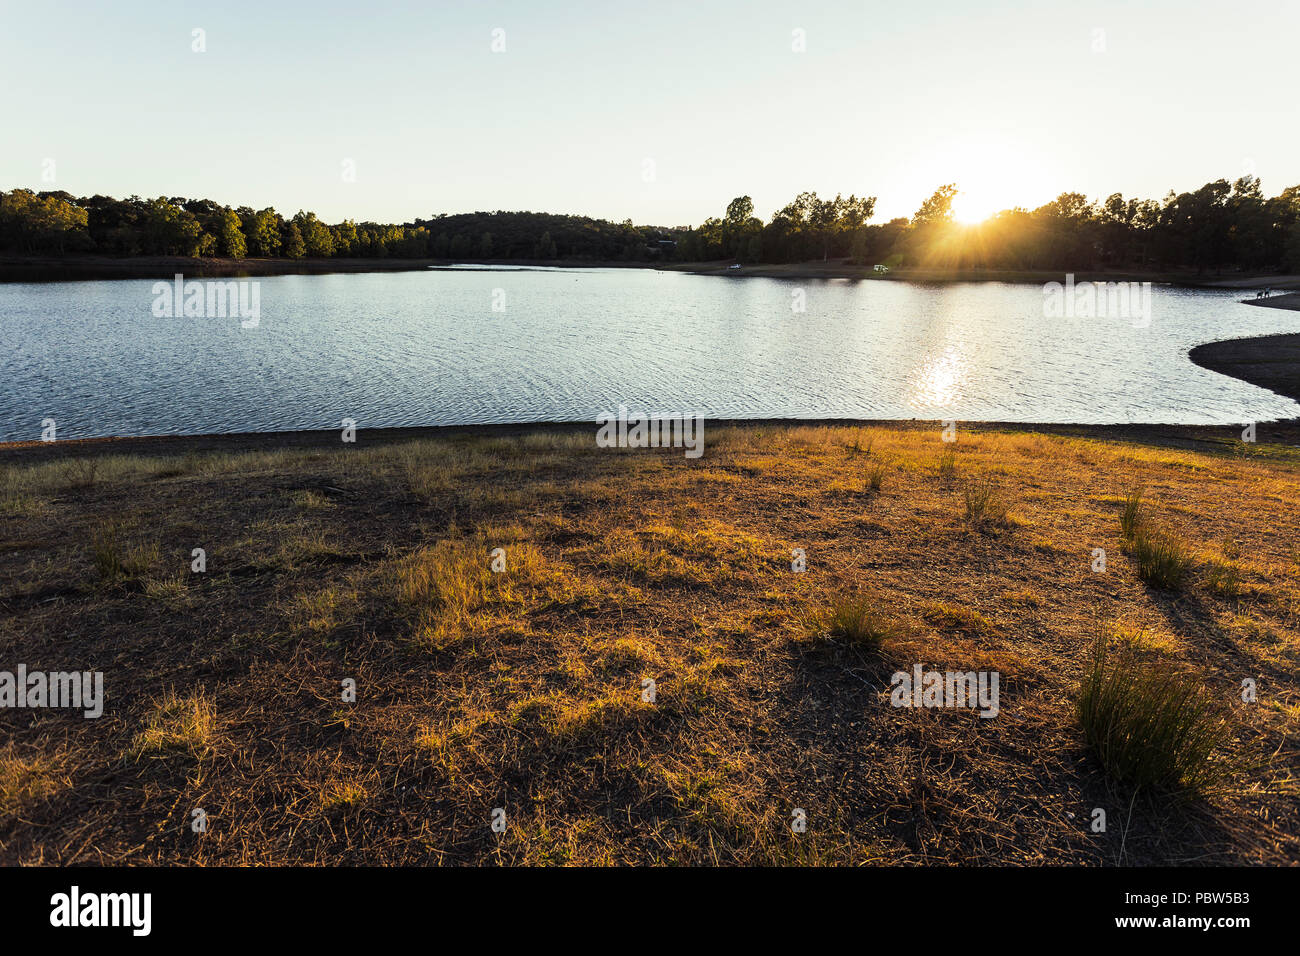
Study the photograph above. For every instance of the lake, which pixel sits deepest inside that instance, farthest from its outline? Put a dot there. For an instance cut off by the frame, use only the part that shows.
(460, 346)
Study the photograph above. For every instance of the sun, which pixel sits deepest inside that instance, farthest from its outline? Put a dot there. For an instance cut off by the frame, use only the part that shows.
(974, 206)
(991, 177)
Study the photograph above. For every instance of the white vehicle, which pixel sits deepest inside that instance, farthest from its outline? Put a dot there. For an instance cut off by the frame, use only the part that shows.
(883, 270)
(734, 265)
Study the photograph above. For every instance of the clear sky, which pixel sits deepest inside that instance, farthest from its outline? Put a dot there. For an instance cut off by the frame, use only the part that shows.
(1014, 100)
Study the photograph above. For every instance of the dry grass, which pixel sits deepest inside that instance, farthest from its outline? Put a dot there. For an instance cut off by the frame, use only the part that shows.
(1162, 557)
(1131, 517)
(175, 725)
(860, 622)
(875, 479)
(115, 562)
(1224, 578)
(986, 505)
(443, 589)
(637, 684)
(25, 781)
(1151, 728)
(946, 466)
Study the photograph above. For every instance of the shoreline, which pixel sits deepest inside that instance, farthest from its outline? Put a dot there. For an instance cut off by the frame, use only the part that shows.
(840, 270)
(81, 268)
(1200, 437)
(1288, 300)
(1267, 361)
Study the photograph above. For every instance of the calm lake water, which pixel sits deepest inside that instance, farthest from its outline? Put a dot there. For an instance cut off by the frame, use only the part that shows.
(428, 348)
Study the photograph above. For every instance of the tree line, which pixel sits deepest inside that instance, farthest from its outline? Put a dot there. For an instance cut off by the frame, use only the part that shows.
(59, 224)
(1220, 226)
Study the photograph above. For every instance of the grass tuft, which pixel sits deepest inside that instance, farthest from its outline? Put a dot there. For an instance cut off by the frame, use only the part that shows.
(876, 476)
(986, 506)
(113, 562)
(1162, 558)
(343, 797)
(177, 725)
(858, 448)
(1151, 729)
(947, 465)
(1132, 516)
(1224, 578)
(24, 781)
(859, 621)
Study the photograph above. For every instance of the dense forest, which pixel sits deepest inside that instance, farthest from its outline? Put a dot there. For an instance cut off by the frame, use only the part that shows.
(1221, 226)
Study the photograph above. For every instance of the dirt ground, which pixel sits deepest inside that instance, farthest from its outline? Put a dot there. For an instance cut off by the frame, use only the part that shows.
(519, 694)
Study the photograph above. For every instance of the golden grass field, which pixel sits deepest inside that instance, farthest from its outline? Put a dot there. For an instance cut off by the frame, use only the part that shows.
(522, 690)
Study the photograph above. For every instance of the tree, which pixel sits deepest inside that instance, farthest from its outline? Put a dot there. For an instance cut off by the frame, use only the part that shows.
(460, 246)
(264, 233)
(46, 223)
(860, 247)
(545, 248)
(345, 237)
(411, 242)
(740, 210)
(316, 236)
(930, 236)
(230, 237)
(292, 241)
(1198, 225)
(1250, 231)
(812, 226)
(937, 210)
(796, 225)
(1291, 252)
(168, 229)
(739, 213)
(1222, 224)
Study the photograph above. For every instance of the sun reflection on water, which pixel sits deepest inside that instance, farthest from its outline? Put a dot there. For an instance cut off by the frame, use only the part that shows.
(939, 382)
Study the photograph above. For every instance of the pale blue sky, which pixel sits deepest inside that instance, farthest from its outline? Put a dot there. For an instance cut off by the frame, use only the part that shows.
(1006, 98)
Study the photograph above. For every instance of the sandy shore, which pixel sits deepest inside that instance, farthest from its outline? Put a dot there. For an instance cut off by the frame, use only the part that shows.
(1290, 300)
(1269, 361)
